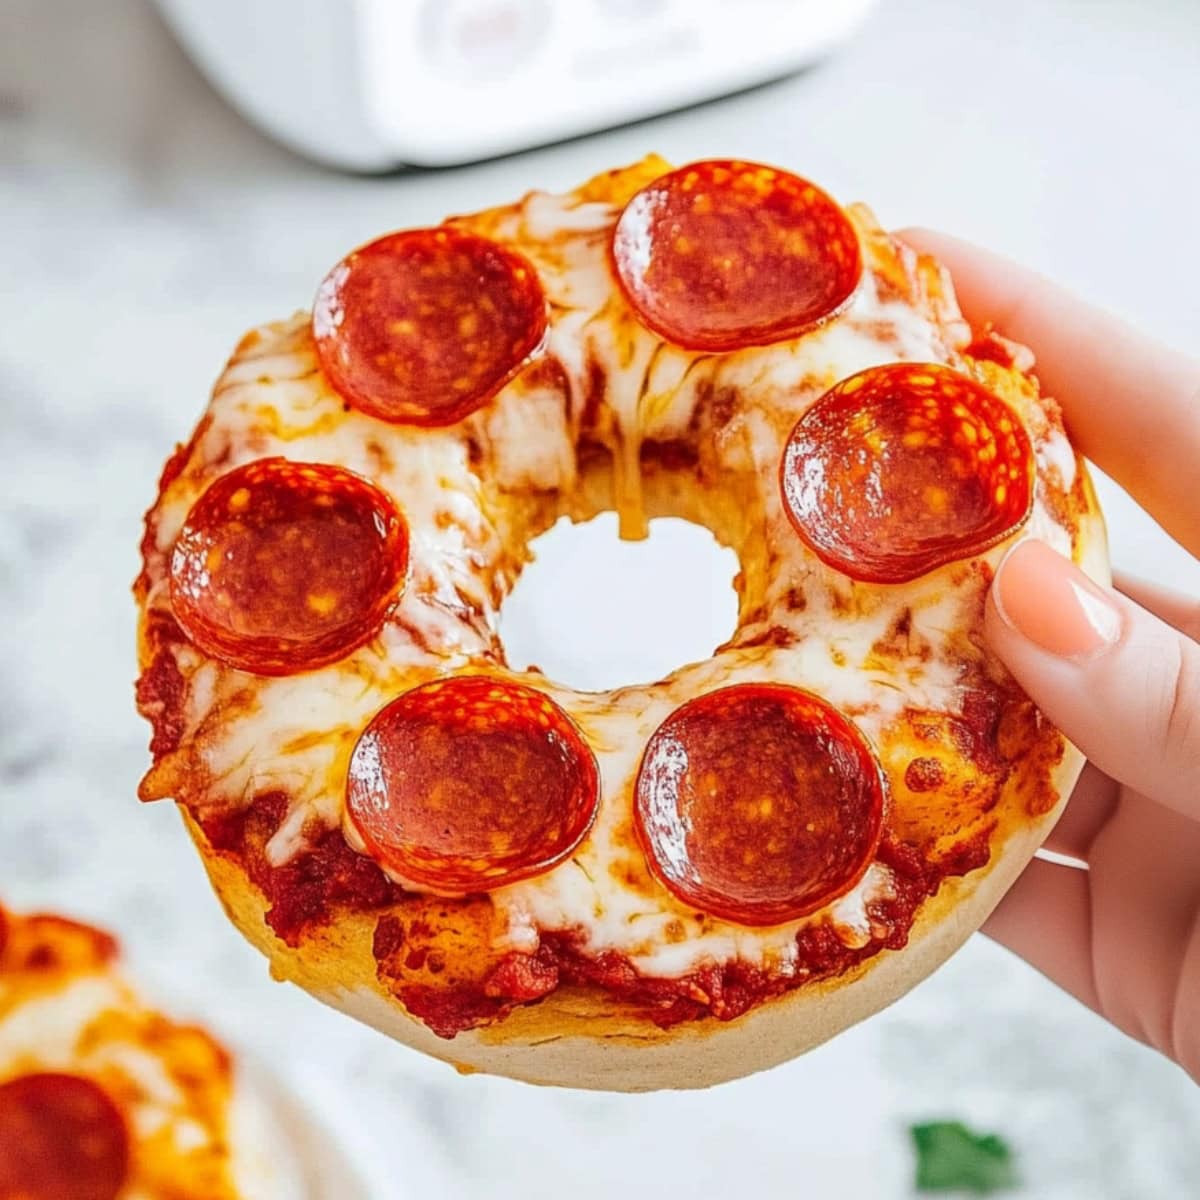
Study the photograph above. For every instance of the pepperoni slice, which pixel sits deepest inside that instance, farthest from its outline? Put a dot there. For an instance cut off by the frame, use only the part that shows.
(758, 803)
(904, 468)
(725, 254)
(283, 567)
(61, 1138)
(469, 783)
(424, 327)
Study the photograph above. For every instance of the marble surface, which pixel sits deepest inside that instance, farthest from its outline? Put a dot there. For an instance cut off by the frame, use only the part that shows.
(144, 227)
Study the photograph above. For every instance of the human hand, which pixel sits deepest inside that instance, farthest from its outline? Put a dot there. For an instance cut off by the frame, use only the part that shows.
(1117, 671)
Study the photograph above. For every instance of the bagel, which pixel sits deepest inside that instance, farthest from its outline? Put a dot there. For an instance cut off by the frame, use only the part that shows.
(665, 885)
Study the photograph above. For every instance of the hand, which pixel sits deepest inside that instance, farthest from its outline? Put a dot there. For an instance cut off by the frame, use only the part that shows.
(1117, 671)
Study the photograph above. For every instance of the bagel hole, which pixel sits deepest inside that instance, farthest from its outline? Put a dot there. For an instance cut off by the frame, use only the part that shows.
(597, 613)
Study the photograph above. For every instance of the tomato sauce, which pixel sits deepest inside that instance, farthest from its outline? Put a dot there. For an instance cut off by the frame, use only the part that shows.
(311, 888)
(721, 990)
(330, 877)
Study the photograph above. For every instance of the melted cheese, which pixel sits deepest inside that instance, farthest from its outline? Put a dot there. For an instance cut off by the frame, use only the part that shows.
(468, 538)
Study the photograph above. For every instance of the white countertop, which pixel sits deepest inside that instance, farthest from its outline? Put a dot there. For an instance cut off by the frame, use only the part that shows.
(145, 227)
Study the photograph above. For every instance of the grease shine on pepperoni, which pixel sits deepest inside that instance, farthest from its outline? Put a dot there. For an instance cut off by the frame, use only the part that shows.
(283, 567)
(904, 468)
(468, 783)
(758, 804)
(724, 254)
(424, 327)
(61, 1138)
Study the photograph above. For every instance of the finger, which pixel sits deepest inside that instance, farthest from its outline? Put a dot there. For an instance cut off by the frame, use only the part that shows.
(1145, 893)
(1131, 405)
(1094, 798)
(1178, 610)
(1091, 806)
(1121, 684)
(1046, 918)
(1122, 936)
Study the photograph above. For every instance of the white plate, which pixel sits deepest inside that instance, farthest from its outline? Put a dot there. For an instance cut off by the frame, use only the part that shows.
(289, 1148)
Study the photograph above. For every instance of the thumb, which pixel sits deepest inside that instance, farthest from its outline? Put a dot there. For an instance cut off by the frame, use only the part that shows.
(1123, 685)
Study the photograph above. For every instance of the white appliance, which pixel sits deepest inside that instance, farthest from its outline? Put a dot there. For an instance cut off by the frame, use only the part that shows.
(375, 84)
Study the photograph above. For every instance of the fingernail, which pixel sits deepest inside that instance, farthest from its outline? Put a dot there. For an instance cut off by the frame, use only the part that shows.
(1050, 601)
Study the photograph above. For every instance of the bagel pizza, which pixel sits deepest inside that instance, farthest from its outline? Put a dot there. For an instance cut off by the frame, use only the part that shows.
(103, 1097)
(664, 885)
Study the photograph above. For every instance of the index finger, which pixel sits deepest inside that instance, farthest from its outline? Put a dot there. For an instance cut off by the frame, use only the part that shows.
(1131, 405)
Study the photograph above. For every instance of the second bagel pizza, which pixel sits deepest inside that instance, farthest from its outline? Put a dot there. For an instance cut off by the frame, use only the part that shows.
(104, 1097)
(666, 885)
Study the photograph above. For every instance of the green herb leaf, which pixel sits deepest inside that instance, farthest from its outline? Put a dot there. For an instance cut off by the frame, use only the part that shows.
(952, 1158)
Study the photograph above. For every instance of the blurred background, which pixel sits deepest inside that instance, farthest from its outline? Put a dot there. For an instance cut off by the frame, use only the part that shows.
(144, 226)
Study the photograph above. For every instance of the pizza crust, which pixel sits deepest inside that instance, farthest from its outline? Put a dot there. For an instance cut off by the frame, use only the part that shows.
(584, 1039)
